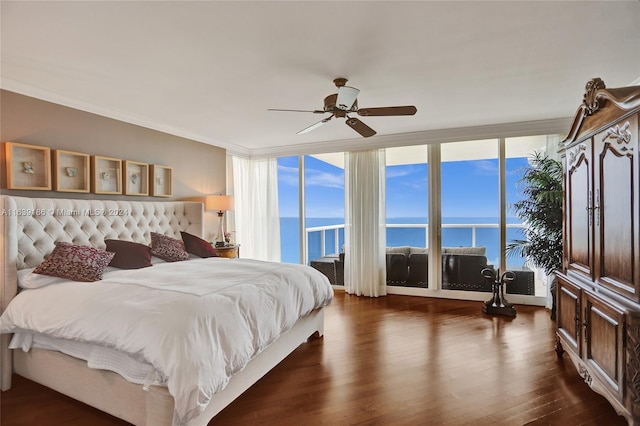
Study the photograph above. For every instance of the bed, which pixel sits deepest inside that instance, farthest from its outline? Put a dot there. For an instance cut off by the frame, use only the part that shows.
(31, 228)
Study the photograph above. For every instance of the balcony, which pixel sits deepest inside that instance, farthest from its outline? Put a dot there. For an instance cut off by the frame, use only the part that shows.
(459, 271)
(324, 240)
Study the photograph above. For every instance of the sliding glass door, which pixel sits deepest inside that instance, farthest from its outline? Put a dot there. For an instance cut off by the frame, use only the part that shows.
(324, 205)
(470, 210)
(530, 280)
(407, 199)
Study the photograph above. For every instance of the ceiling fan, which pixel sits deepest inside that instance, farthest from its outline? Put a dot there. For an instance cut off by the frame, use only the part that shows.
(345, 102)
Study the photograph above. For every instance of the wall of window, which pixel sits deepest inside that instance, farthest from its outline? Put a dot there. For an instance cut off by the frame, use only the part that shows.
(407, 196)
(324, 204)
(518, 152)
(476, 182)
(470, 212)
(320, 187)
(469, 188)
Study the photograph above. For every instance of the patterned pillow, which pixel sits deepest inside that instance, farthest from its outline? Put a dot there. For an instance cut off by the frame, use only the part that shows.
(77, 263)
(129, 255)
(198, 246)
(167, 248)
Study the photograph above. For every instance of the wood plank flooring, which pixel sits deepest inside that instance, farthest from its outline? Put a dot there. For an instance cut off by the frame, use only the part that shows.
(394, 360)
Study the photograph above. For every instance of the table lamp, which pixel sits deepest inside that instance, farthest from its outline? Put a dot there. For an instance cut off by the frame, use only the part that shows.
(219, 203)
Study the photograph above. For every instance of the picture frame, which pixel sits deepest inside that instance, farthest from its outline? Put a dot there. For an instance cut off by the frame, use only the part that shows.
(161, 181)
(106, 176)
(28, 166)
(71, 171)
(136, 178)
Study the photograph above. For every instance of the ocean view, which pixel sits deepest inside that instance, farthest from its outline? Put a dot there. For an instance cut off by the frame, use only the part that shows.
(405, 236)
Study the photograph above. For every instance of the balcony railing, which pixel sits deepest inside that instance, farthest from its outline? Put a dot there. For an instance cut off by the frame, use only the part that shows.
(331, 237)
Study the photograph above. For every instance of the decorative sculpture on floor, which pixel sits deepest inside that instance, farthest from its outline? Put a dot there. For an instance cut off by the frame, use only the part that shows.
(498, 305)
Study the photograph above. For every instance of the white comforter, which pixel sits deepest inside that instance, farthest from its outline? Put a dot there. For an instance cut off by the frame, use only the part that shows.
(196, 322)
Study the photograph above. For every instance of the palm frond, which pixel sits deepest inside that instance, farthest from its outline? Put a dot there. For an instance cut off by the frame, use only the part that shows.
(541, 211)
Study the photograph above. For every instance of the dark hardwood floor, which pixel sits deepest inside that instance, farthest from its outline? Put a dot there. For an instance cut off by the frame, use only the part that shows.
(395, 360)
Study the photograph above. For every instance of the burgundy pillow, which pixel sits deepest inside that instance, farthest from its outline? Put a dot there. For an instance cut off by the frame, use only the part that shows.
(77, 263)
(167, 248)
(129, 255)
(198, 246)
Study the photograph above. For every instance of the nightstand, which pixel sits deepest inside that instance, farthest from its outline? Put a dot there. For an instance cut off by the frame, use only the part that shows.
(231, 252)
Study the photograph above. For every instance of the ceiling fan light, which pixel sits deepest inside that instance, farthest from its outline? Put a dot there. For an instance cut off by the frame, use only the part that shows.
(344, 102)
(346, 97)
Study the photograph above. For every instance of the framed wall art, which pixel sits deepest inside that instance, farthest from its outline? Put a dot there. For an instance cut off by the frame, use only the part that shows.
(28, 166)
(161, 184)
(136, 178)
(71, 171)
(106, 175)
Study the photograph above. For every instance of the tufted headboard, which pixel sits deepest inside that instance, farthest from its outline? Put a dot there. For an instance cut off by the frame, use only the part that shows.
(32, 226)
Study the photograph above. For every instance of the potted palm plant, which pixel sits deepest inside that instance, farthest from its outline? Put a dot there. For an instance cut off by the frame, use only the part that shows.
(541, 212)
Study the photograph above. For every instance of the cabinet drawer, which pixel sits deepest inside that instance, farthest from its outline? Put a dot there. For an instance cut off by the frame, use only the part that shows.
(568, 314)
(604, 342)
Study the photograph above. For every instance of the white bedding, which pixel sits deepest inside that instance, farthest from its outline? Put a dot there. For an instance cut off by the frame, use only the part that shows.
(196, 322)
(96, 356)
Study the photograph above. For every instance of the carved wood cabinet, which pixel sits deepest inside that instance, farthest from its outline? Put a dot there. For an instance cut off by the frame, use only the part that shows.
(598, 291)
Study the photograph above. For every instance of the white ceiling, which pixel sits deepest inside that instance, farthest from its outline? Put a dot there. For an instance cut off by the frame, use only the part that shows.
(208, 70)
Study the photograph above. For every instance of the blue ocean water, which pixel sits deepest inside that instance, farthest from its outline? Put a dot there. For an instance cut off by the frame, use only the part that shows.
(415, 237)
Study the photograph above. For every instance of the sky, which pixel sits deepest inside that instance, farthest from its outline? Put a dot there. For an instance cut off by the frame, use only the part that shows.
(469, 188)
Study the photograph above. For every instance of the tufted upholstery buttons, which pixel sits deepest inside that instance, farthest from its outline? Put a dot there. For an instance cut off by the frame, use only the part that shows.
(89, 222)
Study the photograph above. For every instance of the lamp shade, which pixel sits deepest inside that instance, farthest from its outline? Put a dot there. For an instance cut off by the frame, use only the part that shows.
(218, 202)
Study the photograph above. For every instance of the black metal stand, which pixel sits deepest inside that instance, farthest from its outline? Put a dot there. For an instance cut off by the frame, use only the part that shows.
(498, 305)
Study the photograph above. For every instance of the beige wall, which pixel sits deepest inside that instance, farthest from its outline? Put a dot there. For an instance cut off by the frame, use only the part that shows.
(198, 168)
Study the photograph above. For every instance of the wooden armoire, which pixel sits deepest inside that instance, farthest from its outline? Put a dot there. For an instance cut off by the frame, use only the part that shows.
(598, 289)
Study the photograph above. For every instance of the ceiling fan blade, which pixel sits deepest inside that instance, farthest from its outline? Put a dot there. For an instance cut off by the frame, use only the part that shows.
(314, 126)
(360, 127)
(315, 111)
(394, 110)
(346, 97)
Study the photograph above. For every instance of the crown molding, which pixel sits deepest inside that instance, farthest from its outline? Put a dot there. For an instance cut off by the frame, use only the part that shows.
(45, 95)
(493, 131)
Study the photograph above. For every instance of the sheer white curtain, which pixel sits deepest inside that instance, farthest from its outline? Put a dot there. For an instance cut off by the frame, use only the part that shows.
(256, 216)
(365, 223)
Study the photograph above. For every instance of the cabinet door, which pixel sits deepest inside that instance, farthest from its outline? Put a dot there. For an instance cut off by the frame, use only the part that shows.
(568, 314)
(579, 209)
(604, 348)
(615, 208)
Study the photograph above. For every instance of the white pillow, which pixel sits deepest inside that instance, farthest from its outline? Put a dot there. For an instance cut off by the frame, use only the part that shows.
(30, 280)
(27, 279)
